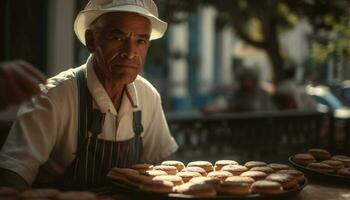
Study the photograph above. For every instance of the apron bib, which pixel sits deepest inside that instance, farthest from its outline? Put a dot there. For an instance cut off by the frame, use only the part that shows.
(94, 156)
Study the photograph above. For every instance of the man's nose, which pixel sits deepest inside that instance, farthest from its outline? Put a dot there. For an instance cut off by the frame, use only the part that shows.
(129, 50)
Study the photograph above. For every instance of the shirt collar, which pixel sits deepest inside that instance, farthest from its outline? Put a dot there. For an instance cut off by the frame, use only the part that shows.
(100, 95)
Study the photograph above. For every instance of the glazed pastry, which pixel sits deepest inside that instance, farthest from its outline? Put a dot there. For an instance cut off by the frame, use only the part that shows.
(176, 180)
(287, 181)
(303, 159)
(157, 186)
(207, 166)
(236, 185)
(186, 176)
(266, 187)
(256, 175)
(321, 167)
(196, 189)
(171, 170)
(178, 164)
(298, 175)
(235, 170)
(220, 163)
(320, 154)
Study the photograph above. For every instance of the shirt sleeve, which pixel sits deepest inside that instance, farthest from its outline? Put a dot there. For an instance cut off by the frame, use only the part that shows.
(31, 138)
(158, 143)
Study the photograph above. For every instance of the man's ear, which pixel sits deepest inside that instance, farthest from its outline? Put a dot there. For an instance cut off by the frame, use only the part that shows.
(90, 41)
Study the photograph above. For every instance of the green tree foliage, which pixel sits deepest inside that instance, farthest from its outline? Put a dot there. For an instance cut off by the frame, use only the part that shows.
(329, 19)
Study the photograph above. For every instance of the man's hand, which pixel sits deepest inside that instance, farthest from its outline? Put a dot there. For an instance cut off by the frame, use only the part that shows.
(19, 81)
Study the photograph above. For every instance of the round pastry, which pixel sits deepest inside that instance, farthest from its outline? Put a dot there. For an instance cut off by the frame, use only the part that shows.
(206, 180)
(256, 175)
(344, 172)
(152, 173)
(171, 170)
(266, 187)
(235, 170)
(335, 164)
(195, 169)
(222, 175)
(287, 181)
(176, 180)
(206, 165)
(157, 186)
(196, 189)
(186, 176)
(252, 164)
(75, 195)
(298, 175)
(265, 169)
(321, 167)
(8, 191)
(136, 179)
(236, 185)
(220, 163)
(277, 166)
(320, 154)
(344, 159)
(303, 159)
(120, 174)
(141, 168)
(178, 164)
(39, 193)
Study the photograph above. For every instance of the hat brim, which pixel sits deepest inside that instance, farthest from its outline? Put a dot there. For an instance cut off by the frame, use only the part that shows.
(86, 17)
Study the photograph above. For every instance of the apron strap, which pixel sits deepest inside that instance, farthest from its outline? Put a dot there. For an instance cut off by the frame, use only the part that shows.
(85, 109)
(136, 123)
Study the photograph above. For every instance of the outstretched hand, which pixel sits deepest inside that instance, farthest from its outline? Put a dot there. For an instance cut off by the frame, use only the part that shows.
(19, 81)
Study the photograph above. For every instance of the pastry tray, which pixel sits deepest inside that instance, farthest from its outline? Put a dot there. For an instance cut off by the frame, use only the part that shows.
(323, 177)
(135, 193)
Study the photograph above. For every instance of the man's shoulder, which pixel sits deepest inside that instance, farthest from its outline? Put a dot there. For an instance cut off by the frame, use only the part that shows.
(63, 79)
(143, 85)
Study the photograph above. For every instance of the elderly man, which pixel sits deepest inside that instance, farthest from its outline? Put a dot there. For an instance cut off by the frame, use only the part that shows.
(99, 115)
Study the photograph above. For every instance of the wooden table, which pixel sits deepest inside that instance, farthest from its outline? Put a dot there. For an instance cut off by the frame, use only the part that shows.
(313, 191)
(321, 191)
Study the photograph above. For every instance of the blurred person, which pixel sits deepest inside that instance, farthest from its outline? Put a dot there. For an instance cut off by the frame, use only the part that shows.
(96, 116)
(290, 96)
(248, 96)
(19, 81)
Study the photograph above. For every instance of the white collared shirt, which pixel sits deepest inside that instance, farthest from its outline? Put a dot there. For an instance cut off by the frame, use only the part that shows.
(43, 139)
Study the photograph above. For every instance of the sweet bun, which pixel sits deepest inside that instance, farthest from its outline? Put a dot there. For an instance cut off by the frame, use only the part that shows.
(152, 173)
(236, 185)
(75, 195)
(206, 165)
(120, 174)
(266, 187)
(222, 175)
(344, 172)
(256, 175)
(287, 181)
(141, 168)
(298, 175)
(186, 176)
(235, 170)
(303, 159)
(220, 163)
(344, 159)
(251, 164)
(178, 164)
(206, 180)
(195, 169)
(335, 164)
(196, 189)
(39, 193)
(277, 166)
(320, 167)
(320, 154)
(157, 186)
(176, 180)
(171, 170)
(265, 169)
(136, 179)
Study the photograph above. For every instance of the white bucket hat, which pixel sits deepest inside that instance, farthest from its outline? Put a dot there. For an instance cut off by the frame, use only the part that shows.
(96, 8)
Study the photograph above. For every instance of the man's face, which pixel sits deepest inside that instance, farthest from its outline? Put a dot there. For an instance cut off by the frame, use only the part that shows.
(119, 42)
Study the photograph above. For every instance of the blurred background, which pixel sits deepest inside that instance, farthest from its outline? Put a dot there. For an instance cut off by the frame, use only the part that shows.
(217, 56)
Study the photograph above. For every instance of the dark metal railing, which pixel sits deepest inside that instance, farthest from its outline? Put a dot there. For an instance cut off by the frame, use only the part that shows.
(270, 136)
